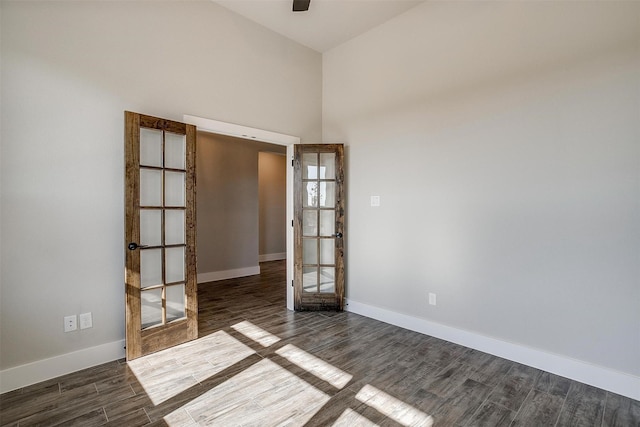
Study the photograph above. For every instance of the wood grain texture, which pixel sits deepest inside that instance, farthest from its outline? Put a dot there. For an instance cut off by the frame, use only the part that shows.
(133, 322)
(227, 378)
(191, 287)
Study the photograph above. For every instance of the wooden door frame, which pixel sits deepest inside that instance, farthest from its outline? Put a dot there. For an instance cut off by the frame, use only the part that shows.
(254, 134)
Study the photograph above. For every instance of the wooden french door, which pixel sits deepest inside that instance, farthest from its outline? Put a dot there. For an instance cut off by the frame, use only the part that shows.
(318, 227)
(160, 274)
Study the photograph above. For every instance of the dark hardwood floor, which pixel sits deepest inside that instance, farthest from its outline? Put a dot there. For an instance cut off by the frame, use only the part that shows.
(256, 363)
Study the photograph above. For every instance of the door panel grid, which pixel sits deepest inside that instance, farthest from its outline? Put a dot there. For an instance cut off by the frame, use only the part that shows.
(162, 266)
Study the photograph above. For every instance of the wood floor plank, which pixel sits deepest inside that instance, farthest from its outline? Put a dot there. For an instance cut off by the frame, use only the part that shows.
(69, 405)
(492, 415)
(584, 406)
(92, 418)
(621, 411)
(489, 370)
(449, 379)
(539, 409)
(133, 419)
(124, 408)
(217, 379)
(28, 401)
(90, 375)
(515, 386)
(552, 384)
(460, 406)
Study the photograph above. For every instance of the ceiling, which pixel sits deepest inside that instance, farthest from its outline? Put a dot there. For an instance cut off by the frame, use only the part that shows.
(326, 24)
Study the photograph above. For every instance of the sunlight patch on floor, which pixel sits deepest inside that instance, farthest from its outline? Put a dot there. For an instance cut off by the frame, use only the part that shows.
(169, 372)
(318, 367)
(255, 333)
(350, 418)
(395, 409)
(264, 394)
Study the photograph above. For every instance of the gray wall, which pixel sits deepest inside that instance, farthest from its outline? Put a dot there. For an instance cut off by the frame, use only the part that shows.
(504, 141)
(228, 189)
(272, 178)
(69, 69)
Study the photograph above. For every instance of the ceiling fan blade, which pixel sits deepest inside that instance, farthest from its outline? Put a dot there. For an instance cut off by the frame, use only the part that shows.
(301, 5)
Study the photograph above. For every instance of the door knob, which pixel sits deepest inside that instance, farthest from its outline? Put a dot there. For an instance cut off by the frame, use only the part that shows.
(133, 246)
(338, 235)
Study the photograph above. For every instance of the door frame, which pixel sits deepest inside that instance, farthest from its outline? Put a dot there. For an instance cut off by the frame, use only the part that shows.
(253, 134)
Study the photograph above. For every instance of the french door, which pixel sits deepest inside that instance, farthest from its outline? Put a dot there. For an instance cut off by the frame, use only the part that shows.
(160, 274)
(318, 227)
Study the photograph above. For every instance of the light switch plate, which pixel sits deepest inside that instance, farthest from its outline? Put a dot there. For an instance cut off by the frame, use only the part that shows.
(86, 321)
(375, 200)
(432, 298)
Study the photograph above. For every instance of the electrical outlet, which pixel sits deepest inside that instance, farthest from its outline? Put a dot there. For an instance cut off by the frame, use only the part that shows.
(375, 201)
(86, 321)
(70, 323)
(432, 298)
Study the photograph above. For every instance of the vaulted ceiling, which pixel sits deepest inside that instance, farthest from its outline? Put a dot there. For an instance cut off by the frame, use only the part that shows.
(326, 24)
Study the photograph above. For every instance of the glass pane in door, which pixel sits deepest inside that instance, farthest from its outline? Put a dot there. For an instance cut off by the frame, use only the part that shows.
(327, 166)
(310, 223)
(175, 302)
(174, 189)
(150, 187)
(327, 222)
(150, 267)
(174, 264)
(327, 251)
(327, 194)
(310, 198)
(174, 150)
(327, 280)
(151, 227)
(151, 301)
(310, 251)
(310, 279)
(174, 227)
(150, 147)
(310, 166)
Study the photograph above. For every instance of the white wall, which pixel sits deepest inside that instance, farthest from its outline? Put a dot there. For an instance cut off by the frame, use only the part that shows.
(229, 189)
(69, 70)
(272, 180)
(504, 141)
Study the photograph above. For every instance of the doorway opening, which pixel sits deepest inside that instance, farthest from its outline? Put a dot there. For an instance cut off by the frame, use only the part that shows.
(210, 126)
(241, 203)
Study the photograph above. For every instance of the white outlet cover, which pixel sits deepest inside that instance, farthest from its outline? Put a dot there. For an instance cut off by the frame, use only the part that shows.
(70, 323)
(375, 200)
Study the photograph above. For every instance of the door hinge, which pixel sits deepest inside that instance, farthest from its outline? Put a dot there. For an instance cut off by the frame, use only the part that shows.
(292, 223)
(291, 162)
(292, 283)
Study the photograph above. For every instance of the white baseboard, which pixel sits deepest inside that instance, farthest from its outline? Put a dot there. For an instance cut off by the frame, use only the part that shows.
(597, 376)
(272, 257)
(46, 369)
(213, 276)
